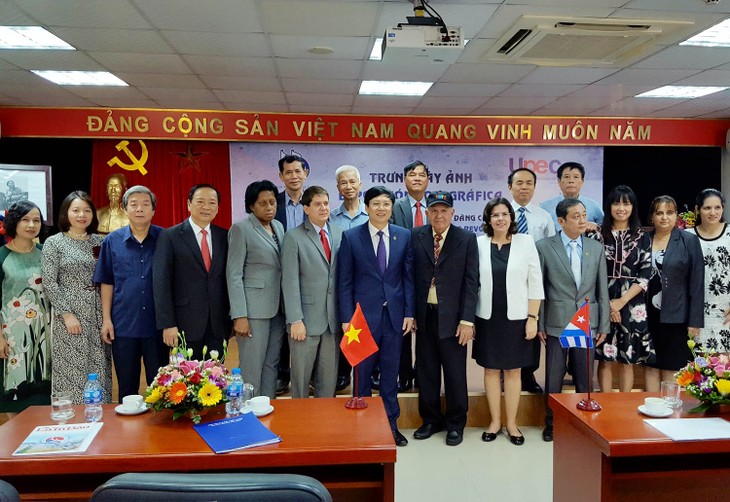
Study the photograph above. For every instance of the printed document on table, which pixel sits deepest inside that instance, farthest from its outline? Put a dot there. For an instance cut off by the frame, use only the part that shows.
(61, 438)
(692, 429)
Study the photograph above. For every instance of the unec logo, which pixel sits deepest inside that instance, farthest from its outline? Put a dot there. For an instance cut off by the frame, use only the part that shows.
(538, 166)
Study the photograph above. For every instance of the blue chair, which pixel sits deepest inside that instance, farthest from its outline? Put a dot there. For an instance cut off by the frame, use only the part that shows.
(8, 493)
(220, 487)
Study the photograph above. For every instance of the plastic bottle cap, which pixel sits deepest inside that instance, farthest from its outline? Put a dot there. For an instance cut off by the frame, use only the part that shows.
(236, 371)
(93, 376)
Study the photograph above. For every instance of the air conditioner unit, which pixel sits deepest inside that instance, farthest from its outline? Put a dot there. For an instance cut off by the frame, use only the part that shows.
(566, 41)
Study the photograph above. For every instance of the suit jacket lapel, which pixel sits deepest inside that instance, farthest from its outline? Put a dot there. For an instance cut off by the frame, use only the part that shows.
(426, 240)
(367, 245)
(559, 249)
(315, 238)
(188, 237)
(405, 208)
(266, 236)
(448, 245)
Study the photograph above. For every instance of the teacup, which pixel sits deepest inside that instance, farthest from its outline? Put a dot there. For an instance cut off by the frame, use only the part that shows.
(261, 404)
(655, 405)
(133, 403)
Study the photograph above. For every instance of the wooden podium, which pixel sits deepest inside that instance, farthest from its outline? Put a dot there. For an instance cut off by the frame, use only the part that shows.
(351, 452)
(612, 455)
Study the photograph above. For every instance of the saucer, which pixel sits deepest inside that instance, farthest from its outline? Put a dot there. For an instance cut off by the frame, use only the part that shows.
(120, 409)
(665, 413)
(263, 413)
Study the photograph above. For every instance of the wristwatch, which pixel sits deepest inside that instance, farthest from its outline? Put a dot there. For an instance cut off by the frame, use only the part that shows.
(536, 317)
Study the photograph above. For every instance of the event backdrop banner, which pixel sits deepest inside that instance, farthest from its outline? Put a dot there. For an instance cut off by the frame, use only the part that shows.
(474, 175)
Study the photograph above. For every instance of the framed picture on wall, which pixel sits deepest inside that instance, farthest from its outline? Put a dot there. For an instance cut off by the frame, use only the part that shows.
(22, 182)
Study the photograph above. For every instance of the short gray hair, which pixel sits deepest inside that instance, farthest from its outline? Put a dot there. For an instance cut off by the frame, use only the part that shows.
(138, 189)
(346, 169)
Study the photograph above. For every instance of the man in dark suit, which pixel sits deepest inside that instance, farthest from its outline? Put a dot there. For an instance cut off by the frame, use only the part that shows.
(410, 212)
(375, 269)
(446, 268)
(293, 172)
(573, 268)
(308, 259)
(189, 277)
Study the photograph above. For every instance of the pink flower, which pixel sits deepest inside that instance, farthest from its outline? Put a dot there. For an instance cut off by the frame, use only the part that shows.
(720, 370)
(175, 375)
(163, 380)
(188, 366)
(208, 364)
(638, 313)
(216, 372)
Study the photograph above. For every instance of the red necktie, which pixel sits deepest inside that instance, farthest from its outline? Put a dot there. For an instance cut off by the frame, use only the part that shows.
(325, 244)
(205, 249)
(418, 221)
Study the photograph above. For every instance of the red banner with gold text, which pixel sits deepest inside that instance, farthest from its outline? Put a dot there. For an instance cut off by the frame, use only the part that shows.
(359, 129)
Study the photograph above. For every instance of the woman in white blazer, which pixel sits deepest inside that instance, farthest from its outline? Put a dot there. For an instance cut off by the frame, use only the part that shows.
(507, 309)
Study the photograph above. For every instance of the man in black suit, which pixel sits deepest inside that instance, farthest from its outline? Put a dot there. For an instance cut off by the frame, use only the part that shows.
(293, 171)
(410, 212)
(189, 277)
(446, 271)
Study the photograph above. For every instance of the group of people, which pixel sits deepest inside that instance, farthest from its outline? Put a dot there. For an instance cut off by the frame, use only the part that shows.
(292, 273)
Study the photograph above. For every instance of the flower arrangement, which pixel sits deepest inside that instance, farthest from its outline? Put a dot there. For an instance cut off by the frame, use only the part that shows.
(706, 378)
(188, 386)
(686, 219)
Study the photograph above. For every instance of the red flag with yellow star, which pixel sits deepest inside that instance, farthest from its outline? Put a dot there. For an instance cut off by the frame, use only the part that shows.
(357, 343)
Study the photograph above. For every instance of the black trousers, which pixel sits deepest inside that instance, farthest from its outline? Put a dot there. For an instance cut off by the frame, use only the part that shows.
(434, 353)
(556, 365)
(527, 371)
(406, 371)
(128, 354)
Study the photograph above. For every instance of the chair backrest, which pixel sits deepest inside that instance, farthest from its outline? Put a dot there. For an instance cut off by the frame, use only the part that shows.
(219, 487)
(8, 493)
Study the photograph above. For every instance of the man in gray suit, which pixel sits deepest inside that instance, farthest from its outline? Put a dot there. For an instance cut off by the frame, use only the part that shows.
(308, 283)
(573, 268)
(410, 212)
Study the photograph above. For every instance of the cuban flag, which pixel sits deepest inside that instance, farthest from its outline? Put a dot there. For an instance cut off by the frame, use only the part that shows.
(578, 331)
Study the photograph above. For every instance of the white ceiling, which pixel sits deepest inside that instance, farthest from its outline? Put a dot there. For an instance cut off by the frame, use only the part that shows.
(251, 55)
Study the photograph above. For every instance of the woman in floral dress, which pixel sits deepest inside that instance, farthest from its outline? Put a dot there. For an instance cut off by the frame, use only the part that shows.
(69, 260)
(714, 236)
(25, 344)
(628, 256)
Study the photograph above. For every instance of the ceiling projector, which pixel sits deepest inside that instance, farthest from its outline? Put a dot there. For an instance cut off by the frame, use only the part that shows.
(416, 43)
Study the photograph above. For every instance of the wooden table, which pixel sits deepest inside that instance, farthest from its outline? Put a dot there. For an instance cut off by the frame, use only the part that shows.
(612, 455)
(351, 452)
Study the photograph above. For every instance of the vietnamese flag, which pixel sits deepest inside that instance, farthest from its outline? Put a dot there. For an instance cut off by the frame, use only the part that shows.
(357, 343)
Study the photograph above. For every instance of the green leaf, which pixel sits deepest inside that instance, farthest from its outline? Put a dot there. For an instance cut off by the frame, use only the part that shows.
(177, 414)
(703, 407)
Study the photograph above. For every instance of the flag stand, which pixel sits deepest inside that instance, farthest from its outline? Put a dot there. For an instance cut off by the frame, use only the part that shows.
(589, 404)
(356, 402)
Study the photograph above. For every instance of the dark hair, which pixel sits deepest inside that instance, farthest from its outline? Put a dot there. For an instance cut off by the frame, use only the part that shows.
(16, 213)
(197, 187)
(254, 190)
(410, 167)
(310, 192)
(572, 165)
(486, 216)
(377, 191)
(661, 199)
(512, 175)
(620, 193)
(561, 210)
(700, 200)
(288, 159)
(63, 222)
(139, 189)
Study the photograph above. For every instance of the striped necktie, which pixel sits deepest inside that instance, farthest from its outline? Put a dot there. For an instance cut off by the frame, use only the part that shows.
(521, 221)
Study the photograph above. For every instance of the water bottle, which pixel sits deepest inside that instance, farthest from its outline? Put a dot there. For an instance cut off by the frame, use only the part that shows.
(233, 393)
(92, 399)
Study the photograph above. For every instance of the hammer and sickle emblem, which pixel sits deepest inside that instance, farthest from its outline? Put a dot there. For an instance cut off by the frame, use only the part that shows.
(136, 164)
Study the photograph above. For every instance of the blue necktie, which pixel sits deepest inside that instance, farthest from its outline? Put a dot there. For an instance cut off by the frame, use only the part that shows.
(381, 253)
(521, 221)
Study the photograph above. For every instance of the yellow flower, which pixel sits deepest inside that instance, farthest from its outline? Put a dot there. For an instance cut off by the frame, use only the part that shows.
(155, 395)
(210, 394)
(723, 386)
